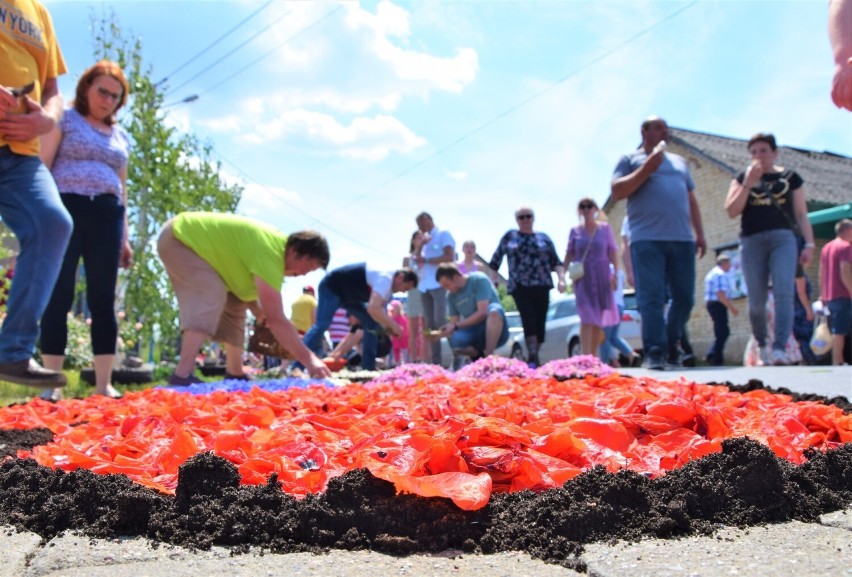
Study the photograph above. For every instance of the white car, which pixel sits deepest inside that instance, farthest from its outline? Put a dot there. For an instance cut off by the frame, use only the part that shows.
(562, 330)
(515, 347)
(631, 321)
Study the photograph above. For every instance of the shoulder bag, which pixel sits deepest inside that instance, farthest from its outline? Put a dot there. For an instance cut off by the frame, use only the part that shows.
(576, 270)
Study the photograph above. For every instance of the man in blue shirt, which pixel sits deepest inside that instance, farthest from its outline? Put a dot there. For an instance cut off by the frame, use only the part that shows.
(477, 320)
(663, 213)
(717, 291)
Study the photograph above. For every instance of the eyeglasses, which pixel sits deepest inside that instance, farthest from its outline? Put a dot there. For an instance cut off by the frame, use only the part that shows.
(585, 206)
(106, 93)
(524, 216)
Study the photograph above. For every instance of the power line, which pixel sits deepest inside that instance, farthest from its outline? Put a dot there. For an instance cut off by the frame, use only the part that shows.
(512, 109)
(258, 33)
(214, 43)
(326, 227)
(273, 50)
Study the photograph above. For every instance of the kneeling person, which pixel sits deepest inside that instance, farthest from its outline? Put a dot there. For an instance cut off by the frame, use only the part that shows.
(477, 320)
(222, 264)
(364, 293)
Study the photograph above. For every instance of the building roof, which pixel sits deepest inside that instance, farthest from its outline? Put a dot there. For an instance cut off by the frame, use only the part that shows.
(827, 176)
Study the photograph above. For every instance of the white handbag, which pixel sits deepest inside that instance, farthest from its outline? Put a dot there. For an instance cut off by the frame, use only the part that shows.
(576, 269)
(821, 339)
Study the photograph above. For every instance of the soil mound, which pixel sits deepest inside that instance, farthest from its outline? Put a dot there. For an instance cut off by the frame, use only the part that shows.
(745, 484)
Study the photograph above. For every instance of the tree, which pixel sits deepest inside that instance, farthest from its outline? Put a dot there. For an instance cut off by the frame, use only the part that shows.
(506, 299)
(169, 172)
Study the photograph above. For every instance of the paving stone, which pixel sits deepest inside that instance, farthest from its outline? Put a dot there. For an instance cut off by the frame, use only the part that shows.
(841, 519)
(75, 556)
(15, 548)
(783, 550)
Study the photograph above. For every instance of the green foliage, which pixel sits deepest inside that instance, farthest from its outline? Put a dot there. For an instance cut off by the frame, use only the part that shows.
(130, 334)
(78, 350)
(169, 172)
(506, 299)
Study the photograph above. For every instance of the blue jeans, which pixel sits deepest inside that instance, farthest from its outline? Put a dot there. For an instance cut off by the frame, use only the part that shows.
(770, 255)
(612, 340)
(97, 236)
(31, 208)
(658, 265)
(474, 336)
(328, 302)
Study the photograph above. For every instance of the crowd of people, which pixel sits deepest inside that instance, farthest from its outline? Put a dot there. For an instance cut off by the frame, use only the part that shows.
(63, 193)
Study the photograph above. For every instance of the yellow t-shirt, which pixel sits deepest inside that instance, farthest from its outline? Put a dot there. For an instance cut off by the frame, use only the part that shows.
(28, 53)
(237, 247)
(303, 311)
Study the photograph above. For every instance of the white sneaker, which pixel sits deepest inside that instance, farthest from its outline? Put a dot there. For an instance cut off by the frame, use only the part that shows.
(779, 359)
(51, 395)
(764, 356)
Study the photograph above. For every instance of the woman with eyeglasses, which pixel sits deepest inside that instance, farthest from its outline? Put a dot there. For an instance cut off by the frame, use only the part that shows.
(532, 258)
(87, 154)
(593, 243)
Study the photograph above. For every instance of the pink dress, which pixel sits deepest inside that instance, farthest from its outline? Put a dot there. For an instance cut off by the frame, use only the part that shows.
(400, 343)
(595, 303)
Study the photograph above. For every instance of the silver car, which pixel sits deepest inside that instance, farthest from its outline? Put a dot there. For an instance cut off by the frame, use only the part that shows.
(562, 330)
(515, 347)
(631, 321)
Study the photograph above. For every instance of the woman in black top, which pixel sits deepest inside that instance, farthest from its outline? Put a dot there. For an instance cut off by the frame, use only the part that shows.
(771, 200)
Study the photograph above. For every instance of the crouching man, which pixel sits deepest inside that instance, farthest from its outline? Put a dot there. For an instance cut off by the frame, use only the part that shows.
(477, 320)
(364, 293)
(220, 265)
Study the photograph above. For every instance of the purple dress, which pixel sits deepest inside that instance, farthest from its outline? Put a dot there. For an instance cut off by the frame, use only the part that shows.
(595, 303)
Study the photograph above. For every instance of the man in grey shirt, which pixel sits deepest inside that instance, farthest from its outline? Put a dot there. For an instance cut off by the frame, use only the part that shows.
(663, 213)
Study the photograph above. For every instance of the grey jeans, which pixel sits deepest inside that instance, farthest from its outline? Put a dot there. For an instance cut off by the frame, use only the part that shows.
(435, 316)
(770, 255)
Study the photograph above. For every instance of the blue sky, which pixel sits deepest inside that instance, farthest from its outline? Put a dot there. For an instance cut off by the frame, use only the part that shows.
(353, 117)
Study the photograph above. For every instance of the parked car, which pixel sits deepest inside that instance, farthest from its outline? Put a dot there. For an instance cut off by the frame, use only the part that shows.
(631, 321)
(515, 347)
(562, 330)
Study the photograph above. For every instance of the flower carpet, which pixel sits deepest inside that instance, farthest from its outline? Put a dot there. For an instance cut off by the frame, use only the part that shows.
(495, 426)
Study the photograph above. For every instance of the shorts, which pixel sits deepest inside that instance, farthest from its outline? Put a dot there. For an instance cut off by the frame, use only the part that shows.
(840, 319)
(414, 304)
(204, 303)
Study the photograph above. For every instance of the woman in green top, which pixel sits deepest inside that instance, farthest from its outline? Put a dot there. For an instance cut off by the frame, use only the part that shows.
(220, 265)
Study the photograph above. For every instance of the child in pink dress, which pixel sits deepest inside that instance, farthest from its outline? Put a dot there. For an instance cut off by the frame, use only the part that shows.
(399, 351)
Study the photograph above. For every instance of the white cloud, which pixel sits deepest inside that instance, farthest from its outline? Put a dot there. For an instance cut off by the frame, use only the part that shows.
(367, 138)
(457, 174)
(262, 201)
(324, 85)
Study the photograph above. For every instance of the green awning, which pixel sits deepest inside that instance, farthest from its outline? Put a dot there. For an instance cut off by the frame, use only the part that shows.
(823, 220)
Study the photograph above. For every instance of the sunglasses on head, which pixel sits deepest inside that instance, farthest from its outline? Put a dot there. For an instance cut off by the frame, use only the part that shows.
(524, 216)
(585, 206)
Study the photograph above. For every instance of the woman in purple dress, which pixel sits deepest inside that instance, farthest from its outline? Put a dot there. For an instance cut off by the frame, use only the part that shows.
(593, 244)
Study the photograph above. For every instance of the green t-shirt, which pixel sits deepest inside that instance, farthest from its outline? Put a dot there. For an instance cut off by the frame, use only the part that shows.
(238, 248)
(478, 288)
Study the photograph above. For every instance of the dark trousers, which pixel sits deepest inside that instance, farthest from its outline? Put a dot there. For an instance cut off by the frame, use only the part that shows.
(97, 236)
(719, 314)
(532, 302)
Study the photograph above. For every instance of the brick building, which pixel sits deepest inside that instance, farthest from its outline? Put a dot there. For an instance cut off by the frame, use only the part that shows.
(714, 161)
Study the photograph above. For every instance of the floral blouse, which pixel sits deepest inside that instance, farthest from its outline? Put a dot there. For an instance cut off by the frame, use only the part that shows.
(531, 257)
